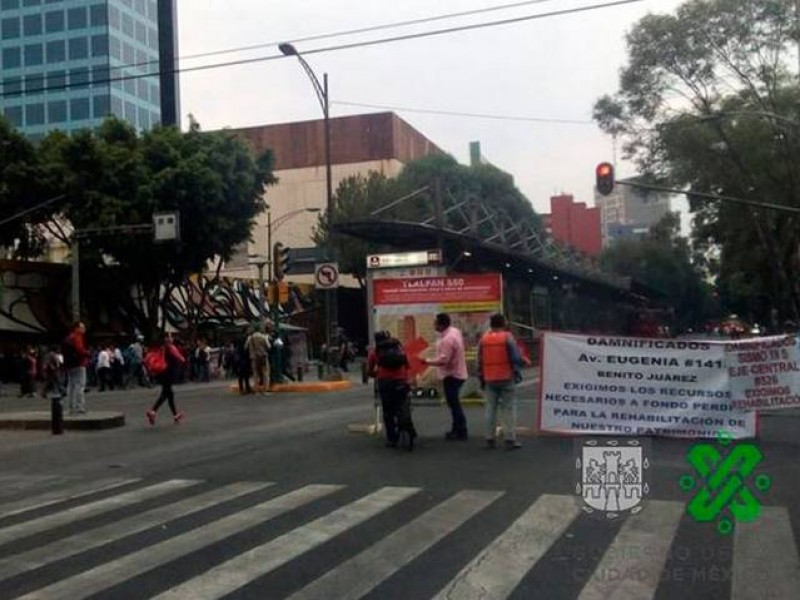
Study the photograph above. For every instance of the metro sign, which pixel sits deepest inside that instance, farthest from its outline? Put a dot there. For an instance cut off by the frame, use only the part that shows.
(404, 259)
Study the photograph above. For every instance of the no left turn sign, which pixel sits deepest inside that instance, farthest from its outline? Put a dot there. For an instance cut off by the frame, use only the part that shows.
(326, 275)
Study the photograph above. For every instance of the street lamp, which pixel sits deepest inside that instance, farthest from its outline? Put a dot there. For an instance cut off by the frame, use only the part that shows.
(322, 95)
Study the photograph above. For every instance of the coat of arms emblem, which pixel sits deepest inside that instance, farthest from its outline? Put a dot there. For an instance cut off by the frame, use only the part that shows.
(611, 477)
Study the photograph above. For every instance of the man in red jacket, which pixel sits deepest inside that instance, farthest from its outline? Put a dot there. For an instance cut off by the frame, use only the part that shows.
(76, 358)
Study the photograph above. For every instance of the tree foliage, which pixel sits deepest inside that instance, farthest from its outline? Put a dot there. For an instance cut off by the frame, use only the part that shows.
(708, 102)
(114, 177)
(358, 197)
(662, 261)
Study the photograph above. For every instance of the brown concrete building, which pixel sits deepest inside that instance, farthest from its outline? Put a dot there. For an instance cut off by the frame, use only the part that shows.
(380, 142)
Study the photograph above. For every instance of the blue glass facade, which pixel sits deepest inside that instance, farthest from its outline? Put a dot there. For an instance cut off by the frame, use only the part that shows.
(67, 64)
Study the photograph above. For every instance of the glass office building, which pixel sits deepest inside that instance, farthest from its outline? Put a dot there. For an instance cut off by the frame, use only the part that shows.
(67, 64)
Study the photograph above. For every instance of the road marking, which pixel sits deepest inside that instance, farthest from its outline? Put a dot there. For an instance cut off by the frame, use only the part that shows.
(66, 547)
(362, 573)
(498, 569)
(626, 575)
(241, 570)
(70, 515)
(765, 560)
(61, 495)
(112, 573)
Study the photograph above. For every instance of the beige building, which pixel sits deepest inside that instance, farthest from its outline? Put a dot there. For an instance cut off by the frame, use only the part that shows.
(629, 212)
(380, 142)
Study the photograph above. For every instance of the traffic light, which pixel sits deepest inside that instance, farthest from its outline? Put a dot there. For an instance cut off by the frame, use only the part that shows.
(605, 178)
(280, 258)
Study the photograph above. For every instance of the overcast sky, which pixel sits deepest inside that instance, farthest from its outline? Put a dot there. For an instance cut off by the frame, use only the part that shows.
(552, 68)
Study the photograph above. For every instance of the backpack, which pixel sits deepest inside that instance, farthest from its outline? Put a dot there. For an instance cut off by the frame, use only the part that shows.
(70, 354)
(155, 361)
(390, 355)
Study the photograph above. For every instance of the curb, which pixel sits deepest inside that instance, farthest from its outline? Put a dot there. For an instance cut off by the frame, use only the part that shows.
(319, 386)
(38, 420)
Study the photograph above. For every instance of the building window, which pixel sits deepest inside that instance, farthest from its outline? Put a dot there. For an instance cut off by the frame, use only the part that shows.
(12, 86)
(10, 28)
(99, 45)
(31, 2)
(100, 75)
(140, 7)
(127, 25)
(54, 21)
(116, 107)
(155, 119)
(98, 15)
(78, 48)
(76, 18)
(9, 4)
(128, 54)
(130, 112)
(13, 115)
(141, 33)
(102, 106)
(142, 91)
(79, 78)
(57, 111)
(129, 85)
(113, 16)
(34, 55)
(34, 114)
(32, 25)
(115, 48)
(152, 38)
(144, 118)
(153, 10)
(79, 109)
(34, 84)
(56, 51)
(12, 58)
(56, 80)
(155, 94)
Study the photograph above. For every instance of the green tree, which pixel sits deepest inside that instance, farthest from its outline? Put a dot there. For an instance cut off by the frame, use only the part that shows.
(663, 262)
(708, 103)
(114, 177)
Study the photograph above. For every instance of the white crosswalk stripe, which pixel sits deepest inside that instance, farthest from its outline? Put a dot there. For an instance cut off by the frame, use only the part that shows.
(496, 571)
(60, 495)
(365, 571)
(117, 530)
(65, 517)
(239, 571)
(764, 561)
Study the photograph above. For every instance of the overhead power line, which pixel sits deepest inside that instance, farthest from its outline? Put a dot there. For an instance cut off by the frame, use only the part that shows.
(467, 114)
(338, 48)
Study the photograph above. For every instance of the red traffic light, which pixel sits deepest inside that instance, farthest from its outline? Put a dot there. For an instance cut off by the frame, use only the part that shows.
(605, 178)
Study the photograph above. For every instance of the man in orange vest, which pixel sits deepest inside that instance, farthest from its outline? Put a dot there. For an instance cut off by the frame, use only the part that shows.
(499, 370)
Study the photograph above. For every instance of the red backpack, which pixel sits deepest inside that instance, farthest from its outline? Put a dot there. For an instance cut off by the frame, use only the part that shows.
(155, 361)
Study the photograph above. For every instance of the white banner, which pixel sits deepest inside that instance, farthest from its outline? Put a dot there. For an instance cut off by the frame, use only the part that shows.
(636, 386)
(764, 372)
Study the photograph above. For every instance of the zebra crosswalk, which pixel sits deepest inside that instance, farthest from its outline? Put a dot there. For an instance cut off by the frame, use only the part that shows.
(176, 539)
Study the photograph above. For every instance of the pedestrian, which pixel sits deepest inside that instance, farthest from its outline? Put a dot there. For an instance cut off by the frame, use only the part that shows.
(452, 363)
(52, 366)
(499, 371)
(137, 362)
(117, 367)
(202, 360)
(76, 359)
(242, 367)
(104, 369)
(27, 372)
(174, 363)
(258, 347)
(387, 362)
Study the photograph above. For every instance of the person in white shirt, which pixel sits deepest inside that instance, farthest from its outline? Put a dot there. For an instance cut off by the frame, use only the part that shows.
(104, 369)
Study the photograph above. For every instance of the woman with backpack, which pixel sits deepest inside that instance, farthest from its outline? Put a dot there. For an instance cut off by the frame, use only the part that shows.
(169, 368)
(388, 364)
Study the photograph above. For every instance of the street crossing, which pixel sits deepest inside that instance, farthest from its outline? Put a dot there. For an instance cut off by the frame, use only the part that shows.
(176, 538)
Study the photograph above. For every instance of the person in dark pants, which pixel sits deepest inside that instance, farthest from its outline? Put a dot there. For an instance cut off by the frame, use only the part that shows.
(452, 363)
(241, 364)
(175, 362)
(388, 364)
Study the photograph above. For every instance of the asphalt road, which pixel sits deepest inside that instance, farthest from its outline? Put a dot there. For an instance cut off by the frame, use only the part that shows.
(272, 497)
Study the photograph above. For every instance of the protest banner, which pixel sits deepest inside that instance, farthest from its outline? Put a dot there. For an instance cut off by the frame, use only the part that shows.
(764, 372)
(638, 386)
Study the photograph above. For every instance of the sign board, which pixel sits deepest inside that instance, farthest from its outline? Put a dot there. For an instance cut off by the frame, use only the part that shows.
(404, 259)
(302, 261)
(607, 385)
(326, 276)
(167, 226)
(764, 372)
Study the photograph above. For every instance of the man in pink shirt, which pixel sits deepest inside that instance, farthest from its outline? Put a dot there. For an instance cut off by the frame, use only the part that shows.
(453, 371)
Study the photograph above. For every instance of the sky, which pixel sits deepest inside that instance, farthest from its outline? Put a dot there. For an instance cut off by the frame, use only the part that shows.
(549, 68)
